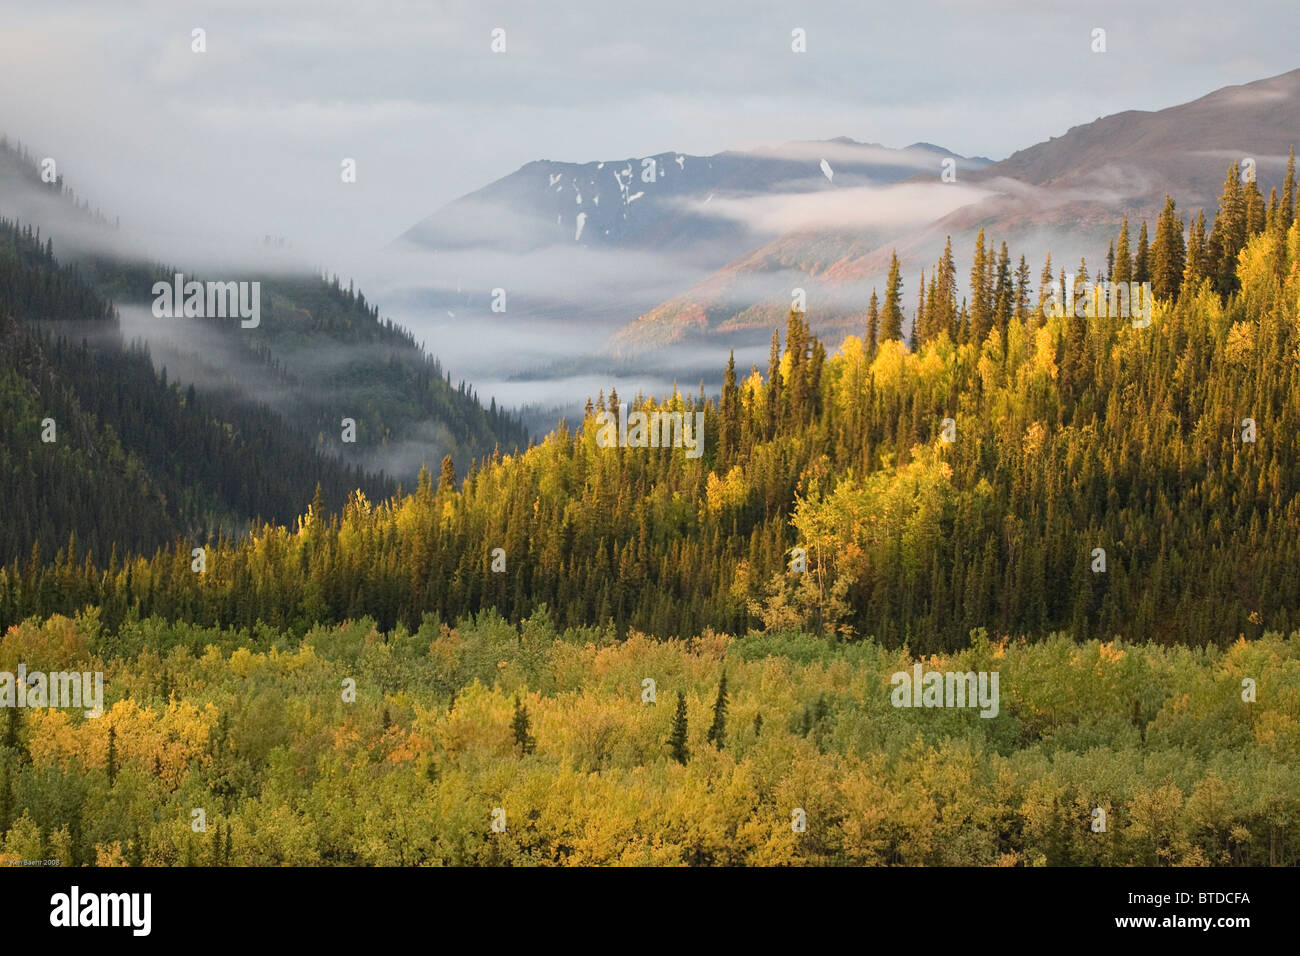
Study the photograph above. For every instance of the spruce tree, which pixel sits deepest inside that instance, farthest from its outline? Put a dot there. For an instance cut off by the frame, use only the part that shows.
(1045, 283)
(891, 316)
(933, 315)
(447, 480)
(1228, 234)
(873, 323)
(718, 729)
(1169, 253)
(943, 304)
(981, 306)
(798, 343)
(1142, 261)
(1082, 287)
(1003, 293)
(1194, 266)
(1022, 291)
(521, 724)
(112, 755)
(1256, 213)
(918, 323)
(1122, 271)
(729, 437)
(1289, 193)
(677, 739)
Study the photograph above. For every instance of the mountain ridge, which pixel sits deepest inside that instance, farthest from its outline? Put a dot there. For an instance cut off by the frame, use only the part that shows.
(1097, 177)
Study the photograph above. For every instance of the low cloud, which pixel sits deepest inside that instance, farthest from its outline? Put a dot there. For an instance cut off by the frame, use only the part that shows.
(856, 207)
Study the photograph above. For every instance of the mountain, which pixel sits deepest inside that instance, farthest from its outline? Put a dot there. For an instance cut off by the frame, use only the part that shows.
(602, 241)
(1065, 196)
(1138, 156)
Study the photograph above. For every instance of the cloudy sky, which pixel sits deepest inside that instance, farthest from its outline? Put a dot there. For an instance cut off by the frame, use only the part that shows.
(247, 138)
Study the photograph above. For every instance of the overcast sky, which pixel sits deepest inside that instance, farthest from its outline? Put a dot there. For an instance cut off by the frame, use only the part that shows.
(247, 138)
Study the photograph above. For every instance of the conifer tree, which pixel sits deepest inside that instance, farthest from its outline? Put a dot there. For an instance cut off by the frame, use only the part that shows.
(891, 315)
(1169, 253)
(447, 480)
(873, 323)
(520, 725)
(112, 755)
(1045, 283)
(1081, 294)
(1003, 292)
(1123, 268)
(1194, 266)
(798, 343)
(945, 298)
(1289, 194)
(981, 306)
(918, 323)
(729, 439)
(677, 739)
(1227, 235)
(1255, 210)
(1142, 260)
(718, 729)
(933, 312)
(1022, 291)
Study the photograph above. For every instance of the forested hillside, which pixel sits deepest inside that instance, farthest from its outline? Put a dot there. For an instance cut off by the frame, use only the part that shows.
(100, 454)
(318, 354)
(135, 459)
(969, 481)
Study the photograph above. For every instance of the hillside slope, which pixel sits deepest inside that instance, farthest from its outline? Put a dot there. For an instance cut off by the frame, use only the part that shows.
(96, 445)
(320, 353)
